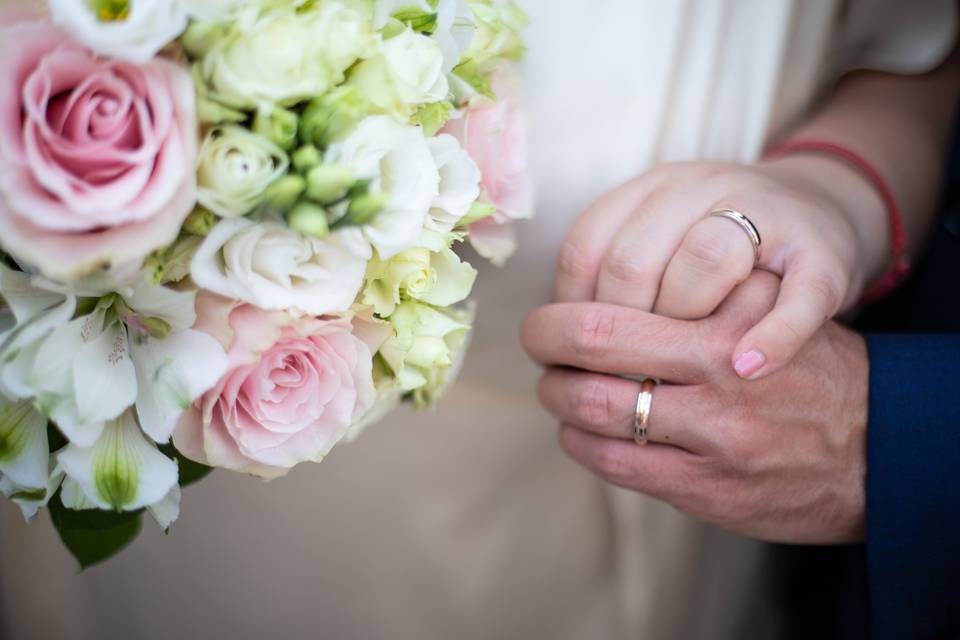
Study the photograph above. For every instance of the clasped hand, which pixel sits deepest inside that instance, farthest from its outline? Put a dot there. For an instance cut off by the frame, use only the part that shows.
(780, 457)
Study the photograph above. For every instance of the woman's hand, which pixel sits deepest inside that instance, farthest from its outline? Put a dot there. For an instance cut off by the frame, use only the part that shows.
(652, 245)
(781, 459)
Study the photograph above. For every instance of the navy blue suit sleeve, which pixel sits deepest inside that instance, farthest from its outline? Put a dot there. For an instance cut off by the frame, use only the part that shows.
(913, 486)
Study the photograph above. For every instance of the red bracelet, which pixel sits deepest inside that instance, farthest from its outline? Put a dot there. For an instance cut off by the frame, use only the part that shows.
(901, 262)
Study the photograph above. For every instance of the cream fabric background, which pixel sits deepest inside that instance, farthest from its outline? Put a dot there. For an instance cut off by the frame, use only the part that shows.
(468, 522)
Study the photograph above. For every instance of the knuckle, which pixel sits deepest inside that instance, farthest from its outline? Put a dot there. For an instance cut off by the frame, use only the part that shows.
(573, 263)
(824, 285)
(615, 463)
(594, 333)
(708, 253)
(788, 327)
(626, 264)
(593, 404)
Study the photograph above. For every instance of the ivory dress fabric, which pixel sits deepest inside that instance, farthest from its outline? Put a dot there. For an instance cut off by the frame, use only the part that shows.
(468, 521)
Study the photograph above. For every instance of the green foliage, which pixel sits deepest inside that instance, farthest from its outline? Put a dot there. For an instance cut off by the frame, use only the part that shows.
(190, 471)
(93, 535)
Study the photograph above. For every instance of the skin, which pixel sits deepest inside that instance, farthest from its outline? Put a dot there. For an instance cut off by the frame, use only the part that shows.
(648, 245)
(779, 459)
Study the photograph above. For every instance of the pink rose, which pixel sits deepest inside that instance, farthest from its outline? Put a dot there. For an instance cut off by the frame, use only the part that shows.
(293, 388)
(495, 136)
(96, 156)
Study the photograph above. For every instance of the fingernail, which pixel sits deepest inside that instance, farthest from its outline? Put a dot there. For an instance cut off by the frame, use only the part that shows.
(749, 363)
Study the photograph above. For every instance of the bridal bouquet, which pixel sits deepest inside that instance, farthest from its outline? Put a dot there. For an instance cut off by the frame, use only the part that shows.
(229, 234)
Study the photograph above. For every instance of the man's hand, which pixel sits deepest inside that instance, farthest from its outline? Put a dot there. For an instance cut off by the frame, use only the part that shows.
(781, 459)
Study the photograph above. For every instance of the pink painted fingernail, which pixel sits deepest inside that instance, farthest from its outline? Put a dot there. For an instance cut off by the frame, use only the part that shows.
(749, 363)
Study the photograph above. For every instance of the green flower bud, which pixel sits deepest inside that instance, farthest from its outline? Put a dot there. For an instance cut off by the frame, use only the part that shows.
(478, 211)
(328, 183)
(210, 112)
(365, 208)
(200, 37)
(332, 115)
(156, 327)
(200, 222)
(285, 191)
(432, 117)
(172, 264)
(308, 219)
(306, 158)
(279, 126)
(425, 23)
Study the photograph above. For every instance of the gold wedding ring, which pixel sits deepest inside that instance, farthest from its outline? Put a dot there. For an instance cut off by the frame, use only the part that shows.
(744, 223)
(641, 423)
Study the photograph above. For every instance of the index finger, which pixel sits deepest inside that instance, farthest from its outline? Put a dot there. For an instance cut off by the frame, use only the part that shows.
(605, 338)
(584, 247)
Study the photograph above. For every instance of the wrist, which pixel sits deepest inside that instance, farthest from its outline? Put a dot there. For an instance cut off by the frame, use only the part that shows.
(854, 196)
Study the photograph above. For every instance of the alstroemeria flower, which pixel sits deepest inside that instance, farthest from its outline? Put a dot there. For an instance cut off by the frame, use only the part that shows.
(135, 347)
(31, 499)
(24, 450)
(121, 470)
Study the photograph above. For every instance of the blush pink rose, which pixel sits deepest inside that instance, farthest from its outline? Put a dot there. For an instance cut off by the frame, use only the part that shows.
(292, 391)
(495, 136)
(96, 156)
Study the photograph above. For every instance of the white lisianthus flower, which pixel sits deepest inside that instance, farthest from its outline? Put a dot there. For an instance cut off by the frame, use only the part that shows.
(276, 268)
(120, 471)
(213, 10)
(133, 30)
(454, 30)
(234, 169)
(408, 71)
(398, 162)
(135, 347)
(425, 345)
(438, 278)
(459, 183)
(285, 56)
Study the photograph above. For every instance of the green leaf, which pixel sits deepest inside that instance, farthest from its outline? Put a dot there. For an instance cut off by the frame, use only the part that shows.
(92, 535)
(190, 471)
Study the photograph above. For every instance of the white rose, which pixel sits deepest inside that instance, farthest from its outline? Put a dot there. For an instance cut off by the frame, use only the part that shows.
(284, 56)
(409, 71)
(454, 30)
(459, 183)
(213, 10)
(397, 160)
(234, 169)
(273, 267)
(136, 33)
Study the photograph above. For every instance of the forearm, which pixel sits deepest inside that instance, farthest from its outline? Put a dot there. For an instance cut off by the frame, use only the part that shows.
(901, 125)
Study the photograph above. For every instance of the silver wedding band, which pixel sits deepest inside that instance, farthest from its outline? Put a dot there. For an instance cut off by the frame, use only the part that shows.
(744, 223)
(641, 422)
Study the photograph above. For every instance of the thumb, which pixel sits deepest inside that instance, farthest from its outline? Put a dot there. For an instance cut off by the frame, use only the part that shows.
(747, 304)
(809, 295)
